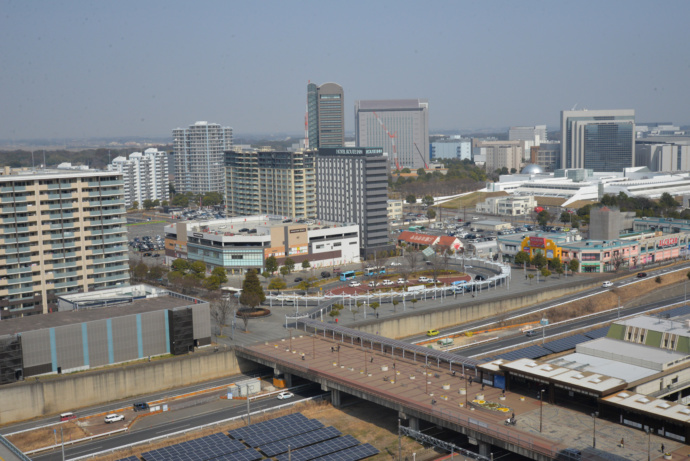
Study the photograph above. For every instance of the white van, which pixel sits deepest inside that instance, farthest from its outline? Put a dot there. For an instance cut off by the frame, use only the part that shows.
(113, 418)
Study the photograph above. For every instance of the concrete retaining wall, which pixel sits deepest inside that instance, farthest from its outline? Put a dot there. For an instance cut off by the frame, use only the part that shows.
(415, 322)
(54, 395)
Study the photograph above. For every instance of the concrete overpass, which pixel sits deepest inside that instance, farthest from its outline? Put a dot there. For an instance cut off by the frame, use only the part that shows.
(418, 382)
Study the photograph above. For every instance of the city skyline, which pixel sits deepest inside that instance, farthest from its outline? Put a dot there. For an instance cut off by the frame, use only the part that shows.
(83, 70)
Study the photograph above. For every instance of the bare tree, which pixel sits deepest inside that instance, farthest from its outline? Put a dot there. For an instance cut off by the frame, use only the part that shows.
(221, 310)
(616, 260)
(244, 315)
(412, 258)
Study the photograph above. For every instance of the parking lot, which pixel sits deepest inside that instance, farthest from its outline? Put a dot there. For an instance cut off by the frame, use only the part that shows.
(146, 232)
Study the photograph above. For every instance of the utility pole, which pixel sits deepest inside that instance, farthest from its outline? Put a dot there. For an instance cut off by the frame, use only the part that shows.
(541, 405)
(62, 441)
(399, 442)
(249, 413)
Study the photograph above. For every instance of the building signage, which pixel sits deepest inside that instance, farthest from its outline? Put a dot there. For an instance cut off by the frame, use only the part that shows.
(536, 242)
(196, 234)
(295, 231)
(351, 151)
(663, 243)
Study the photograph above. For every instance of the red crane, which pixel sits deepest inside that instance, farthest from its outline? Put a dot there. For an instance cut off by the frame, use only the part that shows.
(392, 138)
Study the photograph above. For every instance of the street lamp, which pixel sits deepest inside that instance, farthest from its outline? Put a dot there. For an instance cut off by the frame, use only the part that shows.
(541, 406)
(648, 430)
(594, 429)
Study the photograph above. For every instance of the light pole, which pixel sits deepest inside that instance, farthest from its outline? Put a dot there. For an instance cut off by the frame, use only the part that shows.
(648, 430)
(594, 429)
(619, 306)
(541, 406)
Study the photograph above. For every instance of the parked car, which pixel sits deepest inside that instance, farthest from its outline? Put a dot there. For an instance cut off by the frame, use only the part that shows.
(373, 284)
(354, 284)
(157, 255)
(387, 282)
(113, 418)
(607, 284)
(641, 275)
(402, 280)
(298, 279)
(325, 274)
(479, 277)
(423, 279)
(285, 395)
(148, 254)
(395, 264)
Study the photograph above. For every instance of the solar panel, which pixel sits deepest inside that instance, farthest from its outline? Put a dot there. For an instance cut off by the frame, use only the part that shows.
(244, 455)
(196, 450)
(564, 344)
(129, 458)
(302, 440)
(351, 454)
(294, 419)
(677, 312)
(529, 352)
(598, 333)
(281, 432)
(321, 449)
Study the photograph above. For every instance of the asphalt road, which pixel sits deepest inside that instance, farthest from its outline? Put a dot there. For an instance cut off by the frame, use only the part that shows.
(169, 426)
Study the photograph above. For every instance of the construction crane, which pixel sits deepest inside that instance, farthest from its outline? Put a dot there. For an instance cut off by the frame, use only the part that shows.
(392, 138)
(426, 167)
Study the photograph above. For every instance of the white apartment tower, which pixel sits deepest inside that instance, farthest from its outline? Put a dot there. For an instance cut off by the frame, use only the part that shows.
(145, 176)
(199, 159)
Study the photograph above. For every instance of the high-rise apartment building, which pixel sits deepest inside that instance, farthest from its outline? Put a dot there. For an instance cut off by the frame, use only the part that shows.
(198, 152)
(454, 148)
(270, 182)
(62, 232)
(145, 176)
(599, 140)
(537, 134)
(352, 186)
(325, 115)
(502, 154)
(399, 126)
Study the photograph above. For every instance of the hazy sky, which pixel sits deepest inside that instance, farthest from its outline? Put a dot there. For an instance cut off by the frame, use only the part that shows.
(141, 68)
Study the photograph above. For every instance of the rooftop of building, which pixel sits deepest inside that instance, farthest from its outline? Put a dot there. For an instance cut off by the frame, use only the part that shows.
(657, 407)
(598, 244)
(13, 174)
(556, 237)
(593, 364)
(663, 325)
(261, 223)
(169, 300)
(390, 104)
(626, 352)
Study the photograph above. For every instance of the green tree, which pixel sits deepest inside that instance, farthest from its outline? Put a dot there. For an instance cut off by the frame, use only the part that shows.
(545, 272)
(212, 283)
(252, 294)
(135, 205)
(688, 275)
(530, 276)
(284, 271)
(374, 306)
(574, 265)
(539, 260)
(658, 279)
(565, 217)
(180, 265)
(165, 203)
(335, 311)
(543, 218)
(211, 199)
(277, 284)
(221, 273)
(522, 258)
(431, 214)
(305, 264)
(667, 201)
(290, 264)
(156, 203)
(395, 305)
(140, 271)
(428, 200)
(148, 204)
(411, 199)
(266, 275)
(155, 272)
(180, 200)
(513, 171)
(198, 270)
(271, 264)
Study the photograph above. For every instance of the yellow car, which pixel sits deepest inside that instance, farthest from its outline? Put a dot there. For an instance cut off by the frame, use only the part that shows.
(432, 332)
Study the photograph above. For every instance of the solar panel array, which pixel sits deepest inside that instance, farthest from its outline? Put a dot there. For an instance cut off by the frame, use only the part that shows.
(200, 449)
(529, 352)
(320, 449)
(244, 455)
(129, 458)
(302, 440)
(242, 433)
(677, 312)
(598, 333)
(564, 344)
(351, 454)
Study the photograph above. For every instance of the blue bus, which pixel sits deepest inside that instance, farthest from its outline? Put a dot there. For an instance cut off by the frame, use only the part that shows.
(369, 271)
(348, 275)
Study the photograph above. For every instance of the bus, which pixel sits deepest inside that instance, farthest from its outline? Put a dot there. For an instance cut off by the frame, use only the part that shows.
(369, 271)
(347, 275)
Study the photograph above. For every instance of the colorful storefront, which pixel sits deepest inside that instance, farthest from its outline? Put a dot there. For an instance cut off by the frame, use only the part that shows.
(601, 255)
(536, 244)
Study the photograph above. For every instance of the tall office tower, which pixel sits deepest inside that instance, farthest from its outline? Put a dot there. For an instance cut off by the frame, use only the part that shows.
(453, 148)
(145, 176)
(62, 232)
(352, 186)
(270, 182)
(599, 140)
(537, 134)
(325, 115)
(400, 126)
(502, 154)
(198, 152)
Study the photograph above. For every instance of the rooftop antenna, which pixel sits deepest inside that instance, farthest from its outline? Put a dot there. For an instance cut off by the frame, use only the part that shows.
(44, 159)
(33, 165)
(575, 106)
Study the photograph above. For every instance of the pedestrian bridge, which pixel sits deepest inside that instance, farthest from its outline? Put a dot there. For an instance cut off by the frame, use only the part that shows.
(418, 382)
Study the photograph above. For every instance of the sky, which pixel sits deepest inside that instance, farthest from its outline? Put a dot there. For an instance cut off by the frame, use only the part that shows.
(85, 69)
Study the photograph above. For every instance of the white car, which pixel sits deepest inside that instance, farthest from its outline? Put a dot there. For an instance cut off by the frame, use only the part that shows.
(113, 418)
(607, 284)
(395, 264)
(402, 280)
(285, 395)
(354, 284)
(424, 279)
(387, 282)
(372, 284)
